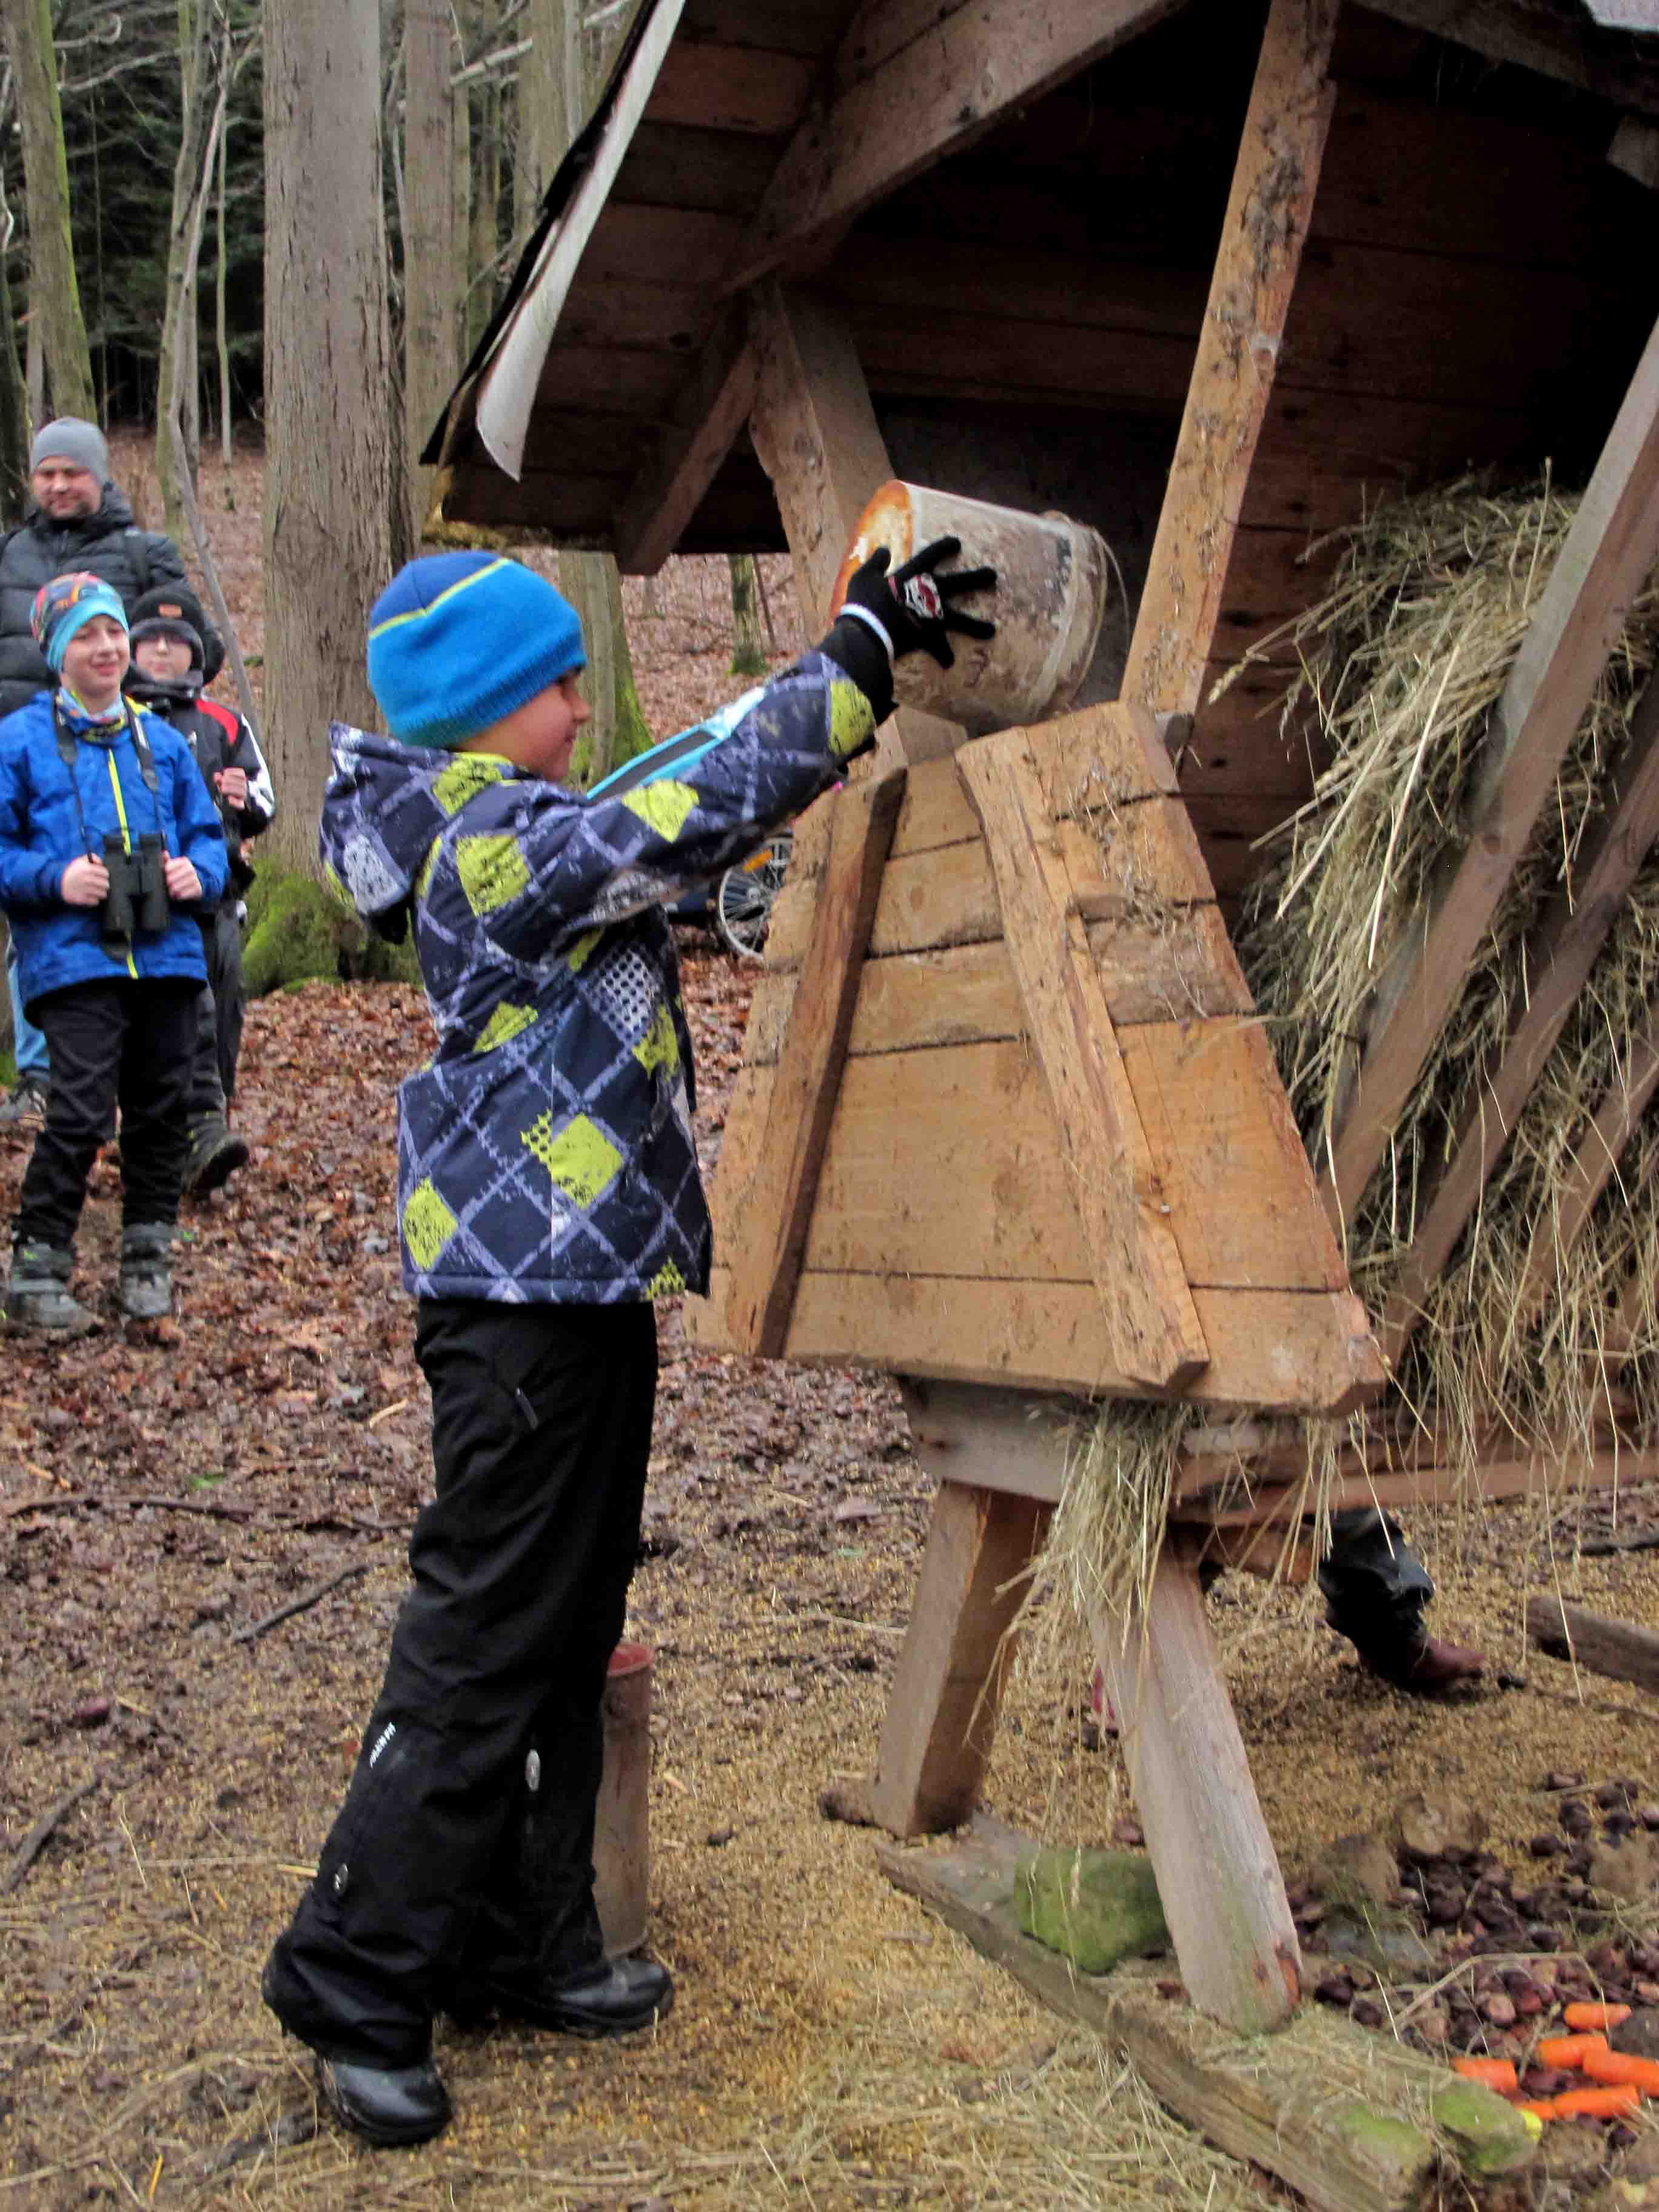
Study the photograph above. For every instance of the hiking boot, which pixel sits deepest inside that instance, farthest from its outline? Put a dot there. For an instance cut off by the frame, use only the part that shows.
(216, 1153)
(146, 1271)
(38, 1297)
(613, 1996)
(26, 1105)
(394, 2107)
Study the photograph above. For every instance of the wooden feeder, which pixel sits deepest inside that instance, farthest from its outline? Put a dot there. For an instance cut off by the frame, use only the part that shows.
(1005, 1126)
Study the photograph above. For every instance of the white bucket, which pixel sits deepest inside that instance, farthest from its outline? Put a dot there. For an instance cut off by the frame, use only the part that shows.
(1052, 576)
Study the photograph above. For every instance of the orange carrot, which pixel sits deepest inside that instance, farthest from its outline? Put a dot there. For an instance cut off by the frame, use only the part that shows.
(1603, 2016)
(1624, 2066)
(1495, 2073)
(1598, 2104)
(1541, 2108)
(1569, 2050)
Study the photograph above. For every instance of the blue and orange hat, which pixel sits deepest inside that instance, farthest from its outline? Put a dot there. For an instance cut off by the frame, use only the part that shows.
(457, 640)
(61, 606)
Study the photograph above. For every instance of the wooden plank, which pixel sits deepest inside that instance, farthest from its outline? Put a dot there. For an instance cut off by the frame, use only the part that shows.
(1595, 1162)
(1120, 1202)
(722, 88)
(991, 1439)
(708, 417)
(777, 1208)
(1217, 1872)
(1548, 45)
(1286, 1351)
(947, 1685)
(1614, 1648)
(1558, 957)
(933, 97)
(943, 1161)
(1284, 2120)
(1268, 211)
(1612, 544)
(1277, 1501)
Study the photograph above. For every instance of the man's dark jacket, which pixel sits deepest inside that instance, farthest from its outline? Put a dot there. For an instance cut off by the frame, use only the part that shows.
(108, 543)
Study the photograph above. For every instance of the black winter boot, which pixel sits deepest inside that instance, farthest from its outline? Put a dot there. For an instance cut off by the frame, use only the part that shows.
(216, 1153)
(38, 1296)
(146, 1271)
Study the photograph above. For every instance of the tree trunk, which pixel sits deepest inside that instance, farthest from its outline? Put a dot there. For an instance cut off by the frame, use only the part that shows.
(329, 490)
(748, 652)
(53, 293)
(486, 214)
(430, 362)
(220, 329)
(14, 399)
(178, 385)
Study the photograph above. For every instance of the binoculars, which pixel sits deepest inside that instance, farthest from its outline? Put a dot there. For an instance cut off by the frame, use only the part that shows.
(135, 903)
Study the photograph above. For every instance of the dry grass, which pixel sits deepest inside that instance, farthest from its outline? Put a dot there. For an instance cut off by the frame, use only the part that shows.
(1403, 665)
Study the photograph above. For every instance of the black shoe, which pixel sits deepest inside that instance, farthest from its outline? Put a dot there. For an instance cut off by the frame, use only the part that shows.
(146, 1271)
(216, 1153)
(388, 2106)
(612, 1997)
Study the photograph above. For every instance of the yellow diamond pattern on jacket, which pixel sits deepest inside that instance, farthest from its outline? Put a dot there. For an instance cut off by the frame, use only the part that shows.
(576, 958)
(658, 1047)
(423, 881)
(850, 719)
(662, 806)
(582, 1159)
(492, 870)
(428, 1224)
(666, 1283)
(503, 1025)
(467, 775)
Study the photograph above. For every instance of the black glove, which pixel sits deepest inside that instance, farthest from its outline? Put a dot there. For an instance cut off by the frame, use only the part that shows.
(913, 604)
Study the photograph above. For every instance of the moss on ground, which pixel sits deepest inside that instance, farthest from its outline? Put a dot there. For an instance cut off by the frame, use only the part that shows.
(298, 933)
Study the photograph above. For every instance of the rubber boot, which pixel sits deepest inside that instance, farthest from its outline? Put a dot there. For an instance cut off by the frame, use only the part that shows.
(146, 1271)
(38, 1296)
(1376, 1589)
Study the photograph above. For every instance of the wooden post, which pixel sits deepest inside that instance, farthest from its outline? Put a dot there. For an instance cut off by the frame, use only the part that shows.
(1218, 1872)
(1255, 269)
(942, 1709)
(807, 1082)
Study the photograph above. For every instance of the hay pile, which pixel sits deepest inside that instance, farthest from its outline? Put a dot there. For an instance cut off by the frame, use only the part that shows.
(1403, 664)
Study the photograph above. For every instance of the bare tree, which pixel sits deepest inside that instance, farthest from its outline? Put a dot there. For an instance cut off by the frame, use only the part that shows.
(54, 296)
(329, 487)
(429, 319)
(201, 86)
(14, 398)
(748, 652)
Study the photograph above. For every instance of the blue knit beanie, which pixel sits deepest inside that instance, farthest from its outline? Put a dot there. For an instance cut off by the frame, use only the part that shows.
(61, 606)
(457, 640)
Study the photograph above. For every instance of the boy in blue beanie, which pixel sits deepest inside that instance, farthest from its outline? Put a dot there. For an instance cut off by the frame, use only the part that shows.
(548, 1192)
(92, 789)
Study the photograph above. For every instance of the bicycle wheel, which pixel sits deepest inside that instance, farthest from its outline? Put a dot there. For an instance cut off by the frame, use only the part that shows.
(744, 896)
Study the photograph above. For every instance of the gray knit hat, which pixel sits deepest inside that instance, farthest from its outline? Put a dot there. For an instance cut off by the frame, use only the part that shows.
(69, 439)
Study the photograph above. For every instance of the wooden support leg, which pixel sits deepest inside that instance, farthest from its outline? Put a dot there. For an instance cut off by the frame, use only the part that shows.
(1218, 1872)
(942, 1713)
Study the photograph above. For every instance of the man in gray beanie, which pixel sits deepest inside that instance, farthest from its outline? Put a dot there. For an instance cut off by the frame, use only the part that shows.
(79, 521)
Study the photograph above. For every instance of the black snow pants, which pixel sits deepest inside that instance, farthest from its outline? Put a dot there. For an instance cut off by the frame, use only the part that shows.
(464, 1846)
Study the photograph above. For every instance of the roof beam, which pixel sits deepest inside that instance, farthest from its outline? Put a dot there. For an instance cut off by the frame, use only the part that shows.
(1612, 544)
(1268, 211)
(669, 487)
(943, 90)
(1532, 38)
(1558, 960)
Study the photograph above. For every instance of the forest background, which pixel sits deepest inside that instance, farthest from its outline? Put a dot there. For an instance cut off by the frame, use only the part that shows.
(288, 227)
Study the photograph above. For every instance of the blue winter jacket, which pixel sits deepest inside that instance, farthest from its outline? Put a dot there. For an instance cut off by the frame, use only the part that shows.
(545, 1154)
(42, 830)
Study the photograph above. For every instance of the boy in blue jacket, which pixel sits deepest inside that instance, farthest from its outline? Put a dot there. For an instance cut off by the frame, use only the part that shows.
(548, 1192)
(91, 787)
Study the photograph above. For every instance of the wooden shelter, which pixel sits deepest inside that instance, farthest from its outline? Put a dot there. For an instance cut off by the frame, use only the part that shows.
(1209, 278)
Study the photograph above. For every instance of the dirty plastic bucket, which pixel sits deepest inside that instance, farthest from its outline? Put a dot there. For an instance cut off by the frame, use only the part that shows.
(1052, 576)
(621, 1827)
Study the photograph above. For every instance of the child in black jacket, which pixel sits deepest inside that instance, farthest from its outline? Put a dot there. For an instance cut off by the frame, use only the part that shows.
(168, 672)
